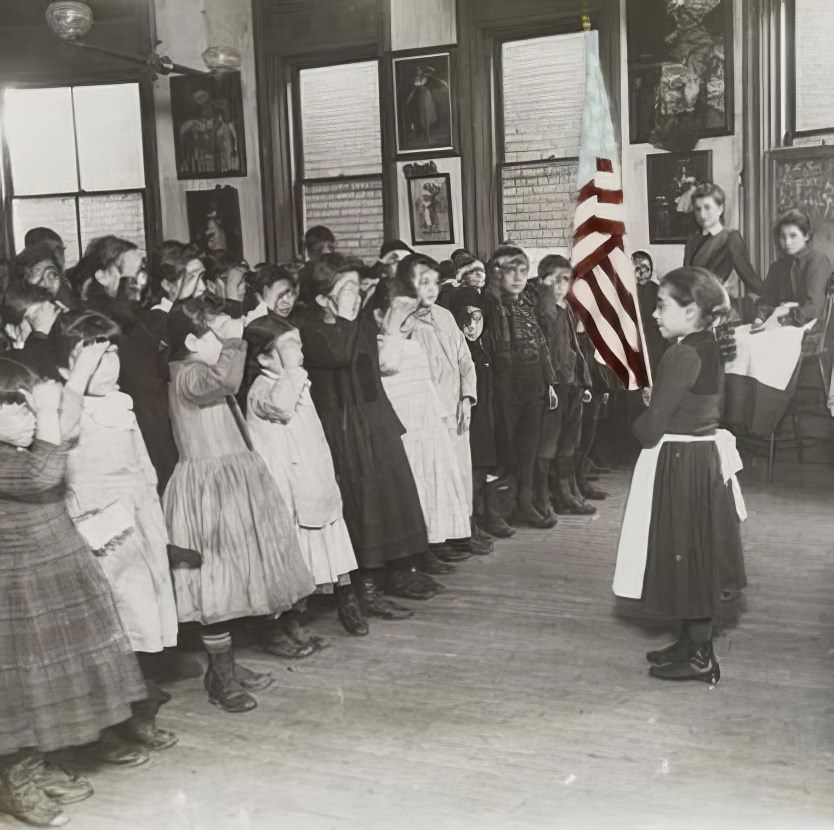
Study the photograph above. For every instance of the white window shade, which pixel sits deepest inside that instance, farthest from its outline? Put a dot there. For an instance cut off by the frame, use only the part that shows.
(543, 89)
(340, 120)
(814, 64)
(108, 124)
(38, 125)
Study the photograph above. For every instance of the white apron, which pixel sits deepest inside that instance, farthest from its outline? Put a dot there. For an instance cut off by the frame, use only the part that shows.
(632, 551)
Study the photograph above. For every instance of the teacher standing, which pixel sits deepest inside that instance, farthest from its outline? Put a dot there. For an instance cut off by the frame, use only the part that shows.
(718, 249)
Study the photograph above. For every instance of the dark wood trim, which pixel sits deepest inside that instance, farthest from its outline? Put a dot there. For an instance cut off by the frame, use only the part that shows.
(264, 92)
(388, 126)
(154, 233)
(6, 224)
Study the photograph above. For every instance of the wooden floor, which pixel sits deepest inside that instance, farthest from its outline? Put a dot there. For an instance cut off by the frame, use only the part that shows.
(521, 699)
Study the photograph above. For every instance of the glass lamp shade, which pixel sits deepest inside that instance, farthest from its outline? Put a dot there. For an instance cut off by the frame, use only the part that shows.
(69, 19)
(222, 58)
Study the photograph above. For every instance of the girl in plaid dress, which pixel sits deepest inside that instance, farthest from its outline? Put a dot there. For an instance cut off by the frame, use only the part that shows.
(67, 670)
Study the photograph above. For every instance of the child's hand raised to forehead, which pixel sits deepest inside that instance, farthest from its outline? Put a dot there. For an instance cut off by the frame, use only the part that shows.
(226, 327)
(85, 366)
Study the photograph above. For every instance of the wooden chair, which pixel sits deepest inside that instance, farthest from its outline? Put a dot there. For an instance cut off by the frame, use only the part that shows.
(817, 348)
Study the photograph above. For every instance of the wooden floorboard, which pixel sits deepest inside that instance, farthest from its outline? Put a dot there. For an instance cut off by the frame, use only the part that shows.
(521, 699)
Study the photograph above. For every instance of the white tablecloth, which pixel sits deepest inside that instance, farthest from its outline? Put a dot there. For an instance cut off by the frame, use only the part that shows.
(770, 357)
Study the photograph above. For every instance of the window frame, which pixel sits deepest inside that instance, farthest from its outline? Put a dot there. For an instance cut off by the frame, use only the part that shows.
(789, 69)
(151, 200)
(295, 132)
(498, 112)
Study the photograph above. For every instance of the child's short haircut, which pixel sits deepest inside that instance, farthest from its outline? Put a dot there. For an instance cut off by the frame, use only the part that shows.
(317, 235)
(511, 252)
(35, 235)
(551, 262)
(270, 274)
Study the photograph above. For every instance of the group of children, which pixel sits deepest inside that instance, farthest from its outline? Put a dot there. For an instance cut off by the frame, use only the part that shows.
(204, 442)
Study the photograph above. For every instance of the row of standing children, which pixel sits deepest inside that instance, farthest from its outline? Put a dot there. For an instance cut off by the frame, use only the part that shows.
(293, 449)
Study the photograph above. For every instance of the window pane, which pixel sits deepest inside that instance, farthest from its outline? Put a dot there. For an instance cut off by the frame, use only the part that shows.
(340, 120)
(57, 213)
(814, 47)
(543, 90)
(537, 203)
(351, 209)
(39, 131)
(120, 214)
(108, 124)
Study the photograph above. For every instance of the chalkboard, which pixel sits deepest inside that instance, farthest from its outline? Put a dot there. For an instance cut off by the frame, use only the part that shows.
(803, 179)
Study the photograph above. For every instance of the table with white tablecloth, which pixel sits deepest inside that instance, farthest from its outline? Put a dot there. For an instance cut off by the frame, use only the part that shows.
(761, 380)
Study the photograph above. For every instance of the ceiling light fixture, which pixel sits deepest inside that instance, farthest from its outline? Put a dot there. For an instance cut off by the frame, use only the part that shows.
(72, 20)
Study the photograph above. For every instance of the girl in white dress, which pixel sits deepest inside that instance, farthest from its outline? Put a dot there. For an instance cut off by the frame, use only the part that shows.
(287, 433)
(407, 380)
(111, 484)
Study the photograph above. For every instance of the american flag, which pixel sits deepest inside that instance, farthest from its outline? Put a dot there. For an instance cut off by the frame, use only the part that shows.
(604, 288)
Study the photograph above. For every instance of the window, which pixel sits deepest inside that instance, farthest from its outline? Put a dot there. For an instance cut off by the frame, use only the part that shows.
(541, 82)
(77, 163)
(340, 177)
(811, 53)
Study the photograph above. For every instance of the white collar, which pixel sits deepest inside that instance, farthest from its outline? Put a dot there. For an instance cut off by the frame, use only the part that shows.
(163, 305)
(260, 310)
(713, 231)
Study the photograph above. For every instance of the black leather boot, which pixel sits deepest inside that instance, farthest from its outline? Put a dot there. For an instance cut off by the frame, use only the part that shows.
(702, 666)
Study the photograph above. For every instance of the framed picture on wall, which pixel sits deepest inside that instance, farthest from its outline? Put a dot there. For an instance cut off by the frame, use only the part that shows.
(207, 113)
(802, 178)
(214, 219)
(670, 180)
(424, 111)
(680, 71)
(430, 209)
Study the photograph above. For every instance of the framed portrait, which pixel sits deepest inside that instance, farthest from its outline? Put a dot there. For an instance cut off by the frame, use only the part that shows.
(430, 209)
(214, 219)
(680, 71)
(802, 178)
(424, 111)
(670, 180)
(207, 113)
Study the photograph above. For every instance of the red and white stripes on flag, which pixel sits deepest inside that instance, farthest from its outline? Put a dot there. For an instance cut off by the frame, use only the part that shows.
(604, 289)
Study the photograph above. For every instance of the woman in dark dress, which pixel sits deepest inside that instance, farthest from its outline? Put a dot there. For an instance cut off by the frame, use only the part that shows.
(801, 275)
(381, 504)
(719, 250)
(689, 550)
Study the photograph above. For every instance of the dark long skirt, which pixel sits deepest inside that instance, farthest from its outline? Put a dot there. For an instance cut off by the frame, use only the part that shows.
(381, 504)
(694, 538)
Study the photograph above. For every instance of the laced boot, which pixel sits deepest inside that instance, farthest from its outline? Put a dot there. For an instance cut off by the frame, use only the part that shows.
(221, 684)
(702, 665)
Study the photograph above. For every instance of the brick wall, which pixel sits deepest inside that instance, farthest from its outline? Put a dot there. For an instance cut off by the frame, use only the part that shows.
(538, 202)
(120, 214)
(543, 92)
(352, 209)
